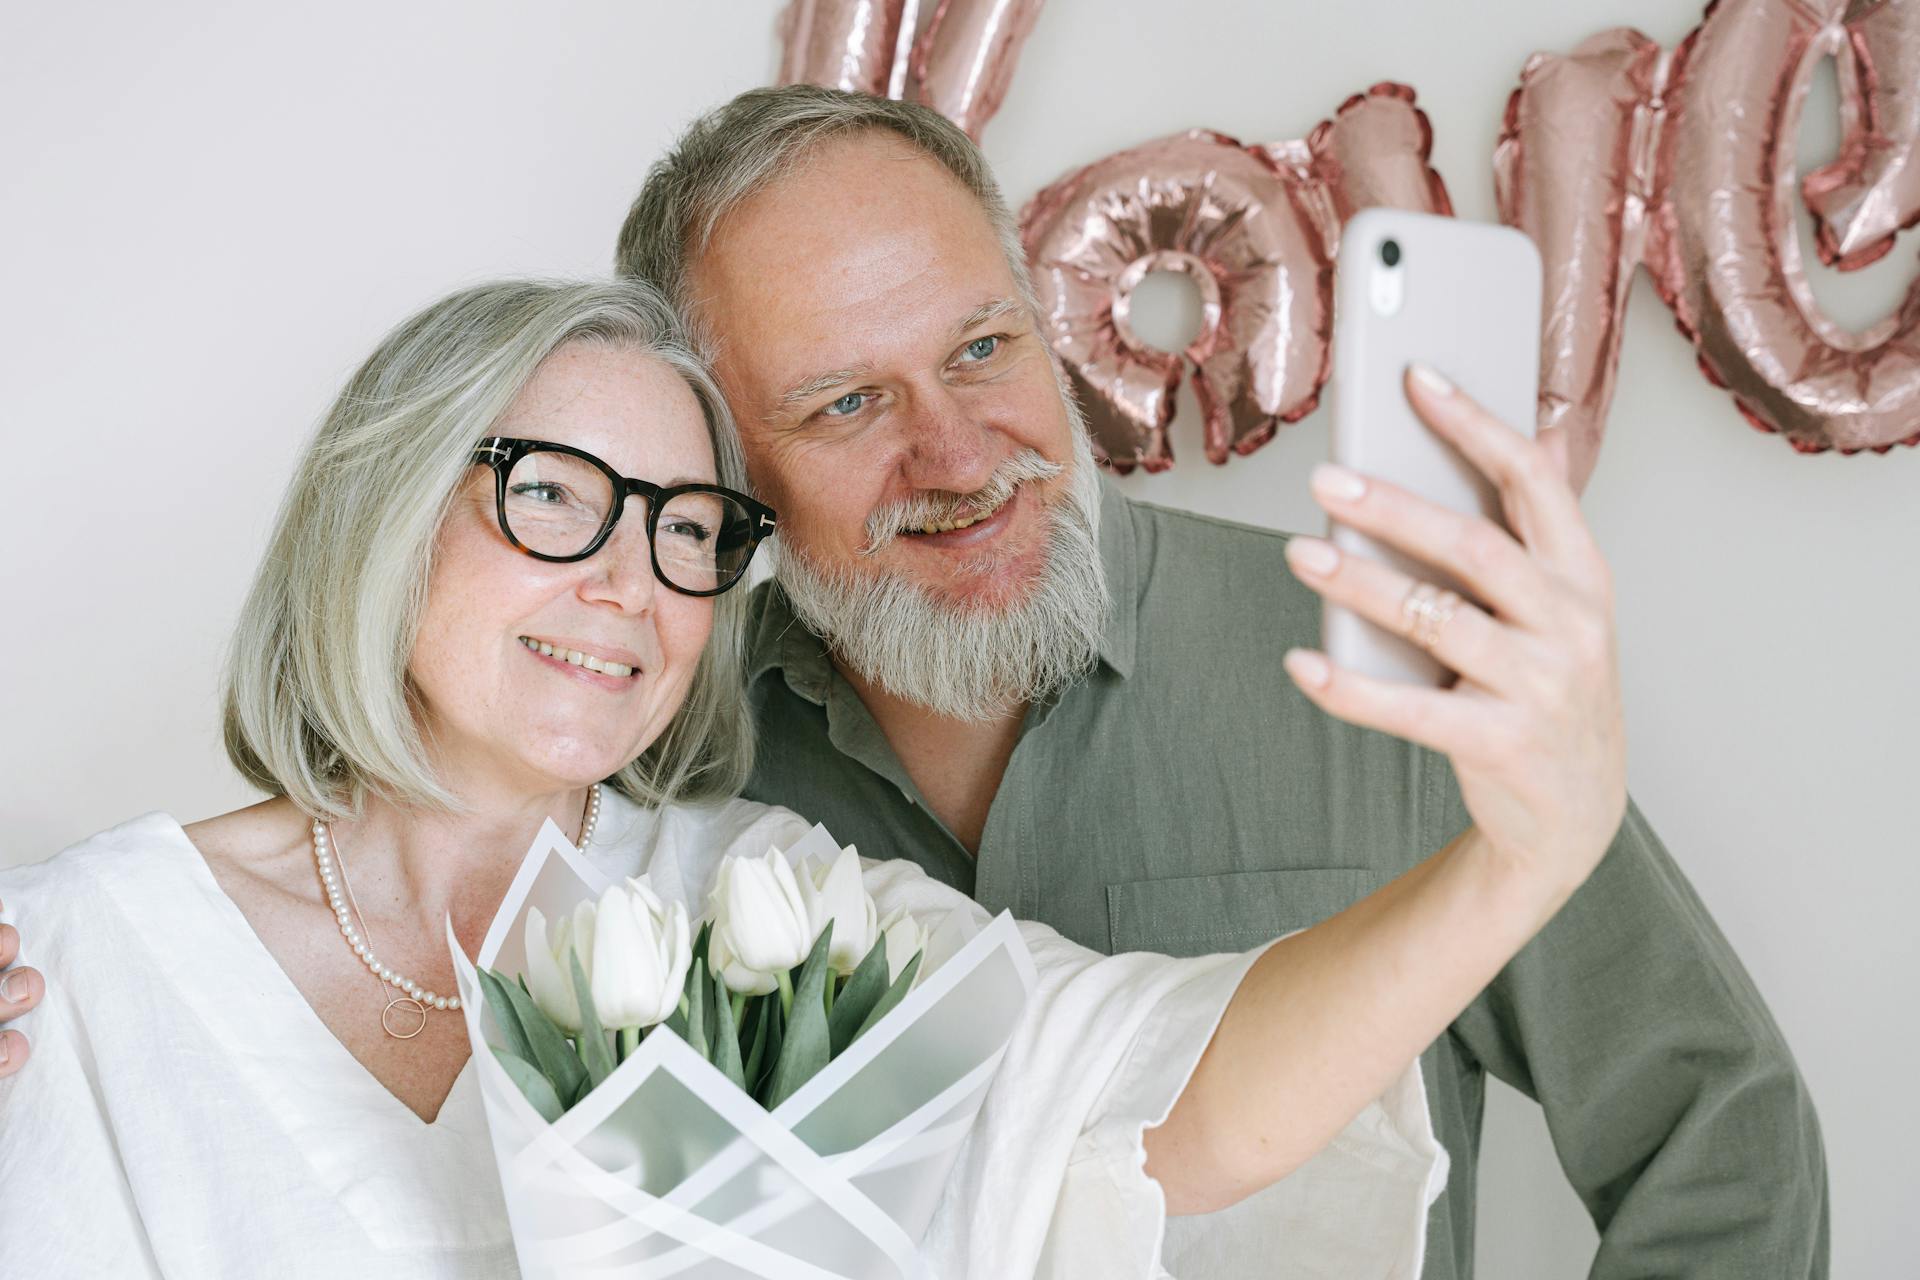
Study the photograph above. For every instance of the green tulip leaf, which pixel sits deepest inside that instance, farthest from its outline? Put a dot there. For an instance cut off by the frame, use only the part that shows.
(807, 1046)
(677, 1020)
(856, 1001)
(776, 1038)
(592, 1040)
(494, 988)
(534, 1086)
(895, 994)
(699, 1032)
(726, 1037)
(551, 1052)
(758, 1018)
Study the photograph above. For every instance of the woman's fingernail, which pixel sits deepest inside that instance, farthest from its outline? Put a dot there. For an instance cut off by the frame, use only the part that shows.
(3, 1049)
(1331, 480)
(1430, 379)
(1312, 555)
(13, 988)
(1308, 667)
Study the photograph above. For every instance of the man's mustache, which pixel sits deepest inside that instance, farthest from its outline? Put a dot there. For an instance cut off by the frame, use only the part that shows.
(939, 506)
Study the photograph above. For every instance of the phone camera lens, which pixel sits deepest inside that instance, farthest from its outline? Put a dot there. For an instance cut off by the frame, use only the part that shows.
(1390, 252)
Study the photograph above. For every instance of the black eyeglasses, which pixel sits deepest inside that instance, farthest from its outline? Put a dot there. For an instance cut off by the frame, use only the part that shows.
(560, 503)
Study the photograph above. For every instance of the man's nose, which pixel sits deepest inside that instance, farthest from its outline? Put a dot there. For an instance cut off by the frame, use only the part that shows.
(947, 446)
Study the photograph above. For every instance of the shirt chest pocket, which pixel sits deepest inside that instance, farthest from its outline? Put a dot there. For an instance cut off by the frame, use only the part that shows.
(1199, 915)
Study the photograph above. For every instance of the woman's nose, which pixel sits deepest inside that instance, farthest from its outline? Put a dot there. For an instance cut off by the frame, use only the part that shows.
(621, 572)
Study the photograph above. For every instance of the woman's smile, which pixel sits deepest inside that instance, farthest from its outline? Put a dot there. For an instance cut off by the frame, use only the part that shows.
(599, 665)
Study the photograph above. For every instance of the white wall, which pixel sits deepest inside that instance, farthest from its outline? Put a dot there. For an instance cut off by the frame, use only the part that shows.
(209, 211)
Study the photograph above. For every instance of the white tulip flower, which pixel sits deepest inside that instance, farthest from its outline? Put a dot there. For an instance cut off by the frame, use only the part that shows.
(739, 978)
(835, 892)
(905, 937)
(641, 952)
(549, 972)
(761, 927)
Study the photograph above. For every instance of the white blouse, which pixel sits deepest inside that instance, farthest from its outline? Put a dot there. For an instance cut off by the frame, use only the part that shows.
(187, 1114)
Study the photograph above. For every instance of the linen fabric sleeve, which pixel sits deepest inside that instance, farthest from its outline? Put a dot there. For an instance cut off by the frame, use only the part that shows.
(66, 1207)
(1052, 1179)
(1674, 1103)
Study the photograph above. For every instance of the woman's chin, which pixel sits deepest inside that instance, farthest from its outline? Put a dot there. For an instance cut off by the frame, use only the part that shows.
(548, 748)
(562, 767)
(585, 770)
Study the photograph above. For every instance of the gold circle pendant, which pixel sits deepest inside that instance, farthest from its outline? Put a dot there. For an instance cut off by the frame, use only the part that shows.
(387, 1018)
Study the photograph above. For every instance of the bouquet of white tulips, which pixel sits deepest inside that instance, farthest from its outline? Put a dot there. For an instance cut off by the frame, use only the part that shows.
(786, 972)
(775, 1089)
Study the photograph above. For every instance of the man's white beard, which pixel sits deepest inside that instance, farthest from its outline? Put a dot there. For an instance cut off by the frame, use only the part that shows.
(970, 662)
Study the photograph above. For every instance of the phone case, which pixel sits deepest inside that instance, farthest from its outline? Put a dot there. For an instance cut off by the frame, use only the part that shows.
(1468, 304)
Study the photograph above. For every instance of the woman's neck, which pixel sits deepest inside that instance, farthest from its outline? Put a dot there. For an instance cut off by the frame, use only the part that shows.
(428, 864)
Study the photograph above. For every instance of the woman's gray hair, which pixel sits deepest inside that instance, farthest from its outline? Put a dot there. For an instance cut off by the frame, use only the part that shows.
(318, 704)
(735, 150)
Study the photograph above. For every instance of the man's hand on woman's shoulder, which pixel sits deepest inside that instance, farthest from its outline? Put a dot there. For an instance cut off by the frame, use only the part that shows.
(20, 990)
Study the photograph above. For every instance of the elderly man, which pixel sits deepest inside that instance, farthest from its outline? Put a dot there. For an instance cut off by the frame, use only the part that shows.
(979, 656)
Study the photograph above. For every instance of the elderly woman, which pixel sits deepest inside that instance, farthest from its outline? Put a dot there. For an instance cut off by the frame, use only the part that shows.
(498, 593)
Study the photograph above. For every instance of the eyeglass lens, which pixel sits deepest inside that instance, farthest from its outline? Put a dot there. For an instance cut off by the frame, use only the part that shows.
(556, 504)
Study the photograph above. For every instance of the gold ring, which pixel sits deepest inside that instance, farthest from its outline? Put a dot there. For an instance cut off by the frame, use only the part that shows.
(1427, 609)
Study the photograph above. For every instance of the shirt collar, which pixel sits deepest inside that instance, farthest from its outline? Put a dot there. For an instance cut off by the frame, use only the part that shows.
(1118, 555)
(777, 638)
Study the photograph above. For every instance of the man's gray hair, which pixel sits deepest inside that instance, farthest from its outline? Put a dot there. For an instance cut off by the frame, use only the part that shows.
(726, 156)
(318, 704)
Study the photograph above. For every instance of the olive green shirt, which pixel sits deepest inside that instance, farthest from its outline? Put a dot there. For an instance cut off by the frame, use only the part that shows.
(1185, 798)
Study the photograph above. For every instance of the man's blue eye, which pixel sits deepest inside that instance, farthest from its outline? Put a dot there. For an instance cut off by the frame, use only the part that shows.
(846, 404)
(981, 348)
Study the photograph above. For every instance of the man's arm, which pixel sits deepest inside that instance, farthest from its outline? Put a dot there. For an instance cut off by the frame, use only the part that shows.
(20, 990)
(1675, 1106)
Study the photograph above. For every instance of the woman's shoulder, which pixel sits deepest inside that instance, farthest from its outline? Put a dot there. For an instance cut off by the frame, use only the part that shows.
(87, 859)
(77, 887)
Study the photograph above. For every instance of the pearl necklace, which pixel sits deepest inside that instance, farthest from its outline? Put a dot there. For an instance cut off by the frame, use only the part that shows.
(415, 999)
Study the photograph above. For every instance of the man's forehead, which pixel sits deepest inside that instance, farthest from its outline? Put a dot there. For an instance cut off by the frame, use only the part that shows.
(868, 203)
(793, 288)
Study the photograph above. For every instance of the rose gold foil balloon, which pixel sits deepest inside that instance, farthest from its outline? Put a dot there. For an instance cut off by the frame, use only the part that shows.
(1621, 154)
(964, 63)
(847, 44)
(1872, 190)
(1725, 253)
(1574, 169)
(1255, 229)
(1200, 204)
(1375, 151)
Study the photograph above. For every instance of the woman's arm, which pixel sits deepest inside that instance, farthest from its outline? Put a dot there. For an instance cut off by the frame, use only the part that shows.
(1533, 728)
(1326, 1019)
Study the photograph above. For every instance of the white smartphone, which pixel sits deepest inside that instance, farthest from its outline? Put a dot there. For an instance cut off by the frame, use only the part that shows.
(1464, 297)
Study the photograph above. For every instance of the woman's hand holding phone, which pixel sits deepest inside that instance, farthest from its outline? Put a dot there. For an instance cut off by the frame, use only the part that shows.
(1533, 727)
